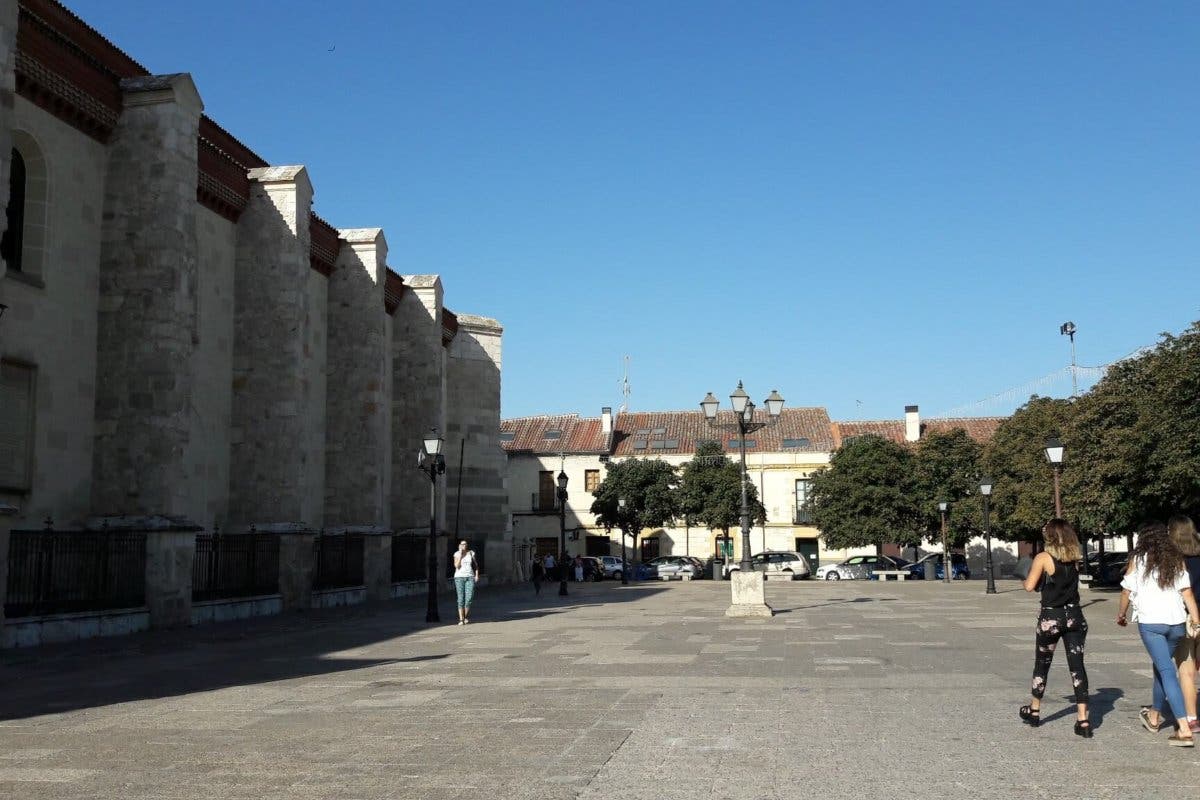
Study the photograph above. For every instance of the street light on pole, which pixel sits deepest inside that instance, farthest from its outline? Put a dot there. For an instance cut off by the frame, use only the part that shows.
(744, 423)
(946, 567)
(1054, 454)
(432, 463)
(562, 532)
(985, 491)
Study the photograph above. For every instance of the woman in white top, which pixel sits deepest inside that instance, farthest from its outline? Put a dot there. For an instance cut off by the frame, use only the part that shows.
(466, 572)
(1160, 588)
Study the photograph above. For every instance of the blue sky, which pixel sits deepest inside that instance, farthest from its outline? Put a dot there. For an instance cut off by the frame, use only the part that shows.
(863, 205)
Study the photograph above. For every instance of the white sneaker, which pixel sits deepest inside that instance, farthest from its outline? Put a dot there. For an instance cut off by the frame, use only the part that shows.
(461, 622)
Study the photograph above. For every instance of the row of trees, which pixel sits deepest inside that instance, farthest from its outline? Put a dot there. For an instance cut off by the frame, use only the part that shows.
(1132, 454)
(705, 492)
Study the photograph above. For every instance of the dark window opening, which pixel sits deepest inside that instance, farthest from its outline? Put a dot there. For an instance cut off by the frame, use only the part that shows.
(11, 243)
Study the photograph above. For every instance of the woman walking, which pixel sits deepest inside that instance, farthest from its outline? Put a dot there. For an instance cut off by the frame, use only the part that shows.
(537, 574)
(1055, 571)
(1160, 588)
(466, 572)
(1187, 652)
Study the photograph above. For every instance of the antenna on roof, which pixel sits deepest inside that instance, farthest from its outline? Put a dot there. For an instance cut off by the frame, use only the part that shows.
(625, 390)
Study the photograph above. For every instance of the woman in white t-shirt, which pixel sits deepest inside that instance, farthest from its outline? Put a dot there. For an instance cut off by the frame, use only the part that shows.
(466, 572)
(1166, 609)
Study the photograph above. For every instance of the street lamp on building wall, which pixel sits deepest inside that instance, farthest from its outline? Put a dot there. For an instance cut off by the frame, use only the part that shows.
(947, 569)
(743, 414)
(432, 463)
(985, 491)
(562, 532)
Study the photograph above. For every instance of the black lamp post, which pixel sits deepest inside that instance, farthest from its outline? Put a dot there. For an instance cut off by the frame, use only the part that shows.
(743, 413)
(432, 463)
(562, 532)
(947, 568)
(985, 491)
(622, 505)
(1054, 454)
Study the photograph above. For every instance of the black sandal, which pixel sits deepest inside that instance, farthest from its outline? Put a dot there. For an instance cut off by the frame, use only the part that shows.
(1031, 716)
(1083, 728)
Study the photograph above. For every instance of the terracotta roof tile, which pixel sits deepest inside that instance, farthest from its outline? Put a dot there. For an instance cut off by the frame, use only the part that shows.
(981, 429)
(806, 429)
(575, 435)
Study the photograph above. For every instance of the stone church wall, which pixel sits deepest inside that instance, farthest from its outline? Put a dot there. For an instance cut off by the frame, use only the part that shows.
(8, 96)
(51, 319)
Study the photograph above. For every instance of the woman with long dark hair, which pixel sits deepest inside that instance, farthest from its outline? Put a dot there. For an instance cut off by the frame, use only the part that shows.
(1055, 571)
(1187, 652)
(1158, 585)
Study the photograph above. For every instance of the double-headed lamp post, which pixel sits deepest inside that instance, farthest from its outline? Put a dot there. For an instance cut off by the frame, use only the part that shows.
(562, 532)
(743, 413)
(432, 463)
(985, 491)
(947, 568)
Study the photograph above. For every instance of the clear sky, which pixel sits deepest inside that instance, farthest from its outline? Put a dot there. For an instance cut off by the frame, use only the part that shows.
(863, 205)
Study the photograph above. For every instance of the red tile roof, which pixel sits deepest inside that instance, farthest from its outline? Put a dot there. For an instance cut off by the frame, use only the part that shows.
(685, 429)
(528, 435)
(981, 429)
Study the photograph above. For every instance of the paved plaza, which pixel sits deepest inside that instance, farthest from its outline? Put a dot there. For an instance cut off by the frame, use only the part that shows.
(853, 690)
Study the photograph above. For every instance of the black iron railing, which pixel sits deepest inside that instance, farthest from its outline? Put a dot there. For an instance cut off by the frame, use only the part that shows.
(409, 558)
(339, 561)
(58, 572)
(238, 565)
(801, 516)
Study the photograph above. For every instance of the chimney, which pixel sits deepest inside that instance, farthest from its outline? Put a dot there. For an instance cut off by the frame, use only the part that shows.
(606, 420)
(912, 424)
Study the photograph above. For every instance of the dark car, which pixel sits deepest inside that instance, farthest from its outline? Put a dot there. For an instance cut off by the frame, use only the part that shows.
(959, 570)
(593, 568)
(1109, 570)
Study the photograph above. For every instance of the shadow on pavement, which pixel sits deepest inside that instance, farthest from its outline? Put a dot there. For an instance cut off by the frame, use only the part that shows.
(158, 664)
(1102, 702)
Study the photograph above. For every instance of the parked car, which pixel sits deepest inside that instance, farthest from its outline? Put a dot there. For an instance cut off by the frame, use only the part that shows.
(614, 566)
(959, 570)
(666, 568)
(897, 562)
(593, 569)
(856, 568)
(1109, 570)
(703, 570)
(783, 564)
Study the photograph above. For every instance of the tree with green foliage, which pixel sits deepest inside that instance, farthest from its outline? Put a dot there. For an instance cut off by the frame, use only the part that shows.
(1015, 458)
(867, 496)
(710, 491)
(1133, 448)
(648, 487)
(947, 467)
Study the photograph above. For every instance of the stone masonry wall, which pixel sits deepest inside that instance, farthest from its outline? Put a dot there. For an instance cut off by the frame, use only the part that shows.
(359, 354)
(8, 55)
(473, 417)
(273, 391)
(418, 398)
(147, 319)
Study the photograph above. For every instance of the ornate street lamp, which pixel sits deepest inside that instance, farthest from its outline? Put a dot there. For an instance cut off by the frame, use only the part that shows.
(743, 423)
(947, 567)
(1054, 454)
(985, 491)
(562, 533)
(431, 461)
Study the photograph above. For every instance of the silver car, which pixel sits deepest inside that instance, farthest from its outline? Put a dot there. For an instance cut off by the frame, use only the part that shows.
(784, 564)
(614, 566)
(855, 568)
(667, 568)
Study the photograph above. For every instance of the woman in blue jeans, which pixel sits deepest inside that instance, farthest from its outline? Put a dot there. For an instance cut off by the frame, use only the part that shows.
(466, 572)
(1158, 585)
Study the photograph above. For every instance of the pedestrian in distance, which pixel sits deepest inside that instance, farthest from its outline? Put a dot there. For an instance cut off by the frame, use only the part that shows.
(1158, 586)
(1187, 652)
(466, 573)
(1055, 572)
(548, 563)
(578, 569)
(537, 574)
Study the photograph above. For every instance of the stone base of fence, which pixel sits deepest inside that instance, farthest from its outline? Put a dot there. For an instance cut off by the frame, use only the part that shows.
(377, 558)
(207, 611)
(333, 598)
(297, 562)
(58, 628)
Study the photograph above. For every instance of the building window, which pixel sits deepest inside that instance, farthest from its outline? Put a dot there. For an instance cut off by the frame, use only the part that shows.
(733, 443)
(803, 493)
(546, 487)
(801, 442)
(591, 480)
(17, 384)
(12, 242)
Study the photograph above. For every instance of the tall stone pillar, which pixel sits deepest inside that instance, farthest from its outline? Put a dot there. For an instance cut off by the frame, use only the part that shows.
(272, 458)
(473, 417)
(147, 315)
(358, 418)
(297, 565)
(8, 93)
(170, 550)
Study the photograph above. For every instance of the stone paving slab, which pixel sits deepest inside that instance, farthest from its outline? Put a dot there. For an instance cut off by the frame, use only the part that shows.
(895, 690)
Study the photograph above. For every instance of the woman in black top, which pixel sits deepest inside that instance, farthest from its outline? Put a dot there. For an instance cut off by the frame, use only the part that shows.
(1056, 572)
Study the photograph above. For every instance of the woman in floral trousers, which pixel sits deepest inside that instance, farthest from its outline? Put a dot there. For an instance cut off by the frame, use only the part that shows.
(1055, 571)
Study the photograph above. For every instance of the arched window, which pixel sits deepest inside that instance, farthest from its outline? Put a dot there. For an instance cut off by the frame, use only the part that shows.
(12, 242)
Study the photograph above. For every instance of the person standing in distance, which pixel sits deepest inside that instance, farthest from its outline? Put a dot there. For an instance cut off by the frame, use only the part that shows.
(466, 572)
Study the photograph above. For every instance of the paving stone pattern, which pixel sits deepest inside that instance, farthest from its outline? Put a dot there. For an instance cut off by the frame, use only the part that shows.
(853, 689)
